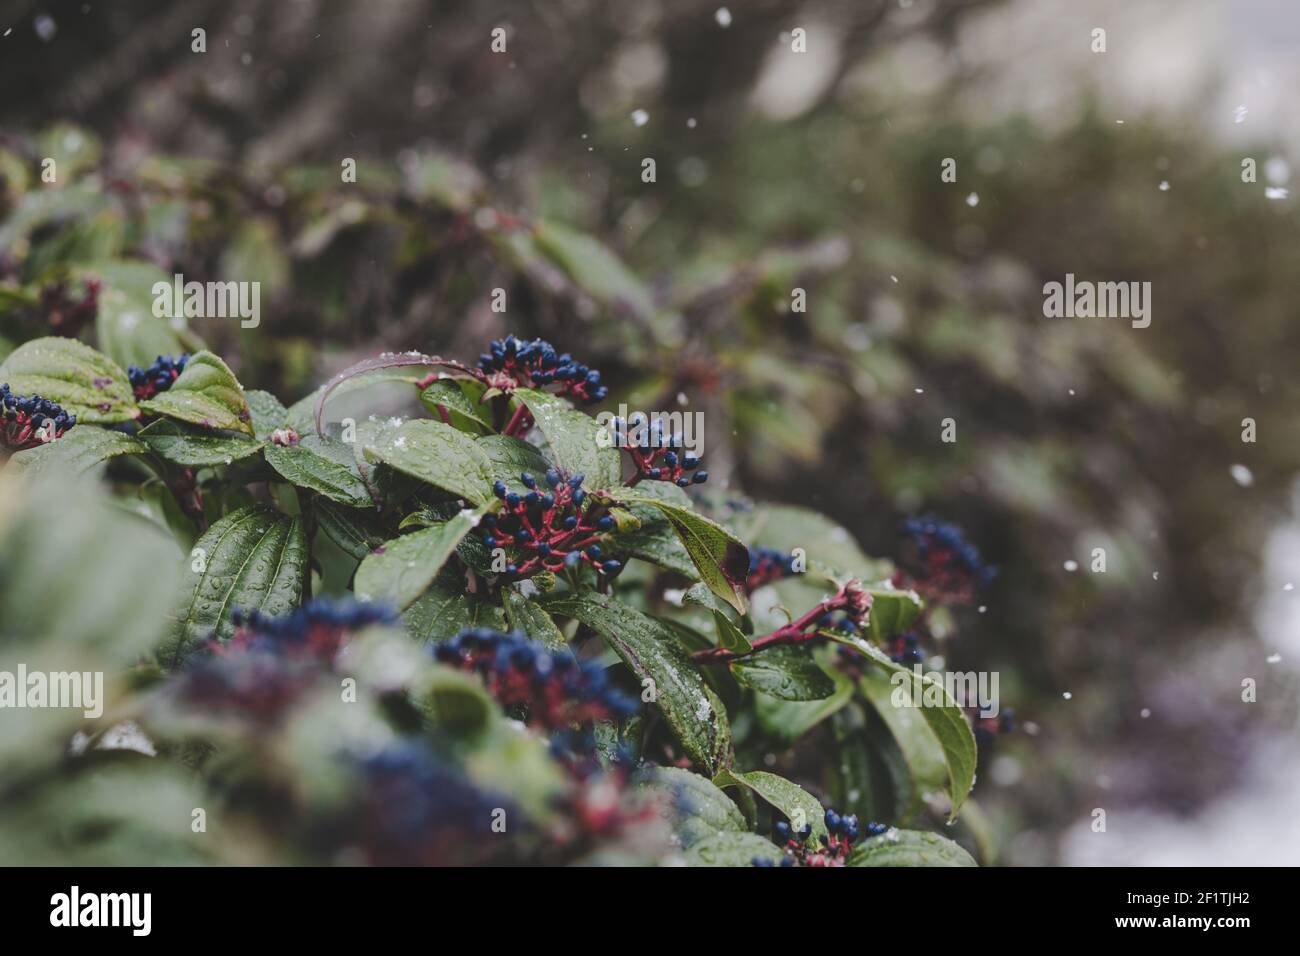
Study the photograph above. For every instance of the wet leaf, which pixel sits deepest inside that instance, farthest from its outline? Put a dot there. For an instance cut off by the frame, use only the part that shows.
(206, 394)
(86, 383)
(255, 559)
(652, 650)
(909, 848)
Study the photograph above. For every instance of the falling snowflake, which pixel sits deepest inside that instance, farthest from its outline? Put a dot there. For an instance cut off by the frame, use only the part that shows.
(640, 117)
(1276, 192)
(973, 199)
(1242, 475)
(723, 16)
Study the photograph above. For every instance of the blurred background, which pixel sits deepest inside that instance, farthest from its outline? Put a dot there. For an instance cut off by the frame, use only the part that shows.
(778, 170)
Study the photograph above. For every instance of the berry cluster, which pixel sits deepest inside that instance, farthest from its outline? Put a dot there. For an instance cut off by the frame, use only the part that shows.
(657, 455)
(947, 567)
(315, 629)
(835, 846)
(905, 649)
(550, 690)
(414, 810)
(553, 529)
(158, 377)
(66, 314)
(512, 363)
(767, 565)
(271, 661)
(29, 420)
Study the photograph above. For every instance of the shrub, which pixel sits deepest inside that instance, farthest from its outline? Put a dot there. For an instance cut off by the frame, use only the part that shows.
(560, 643)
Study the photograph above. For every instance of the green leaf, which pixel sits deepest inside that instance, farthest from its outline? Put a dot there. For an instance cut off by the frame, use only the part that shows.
(323, 465)
(357, 532)
(800, 807)
(909, 848)
(79, 450)
(579, 444)
(719, 556)
(696, 807)
(444, 610)
(946, 720)
(453, 700)
(787, 673)
(594, 268)
(927, 769)
(125, 325)
(254, 558)
(791, 719)
(509, 457)
(400, 570)
(206, 394)
(528, 616)
(730, 637)
(825, 543)
(86, 383)
(732, 849)
(195, 447)
(438, 454)
(892, 613)
(268, 412)
(654, 541)
(447, 393)
(651, 649)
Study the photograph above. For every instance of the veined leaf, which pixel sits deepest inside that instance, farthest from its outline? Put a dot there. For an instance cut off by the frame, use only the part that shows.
(438, 454)
(268, 412)
(444, 610)
(254, 558)
(509, 457)
(206, 394)
(196, 447)
(79, 450)
(696, 807)
(86, 383)
(400, 570)
(579, 444)
(356, 531)
(446, 393)
(323, 465)
(530, 617)
(690, 708)
(719, 556)
(791, 719)
(800, 807)
(787, 673)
